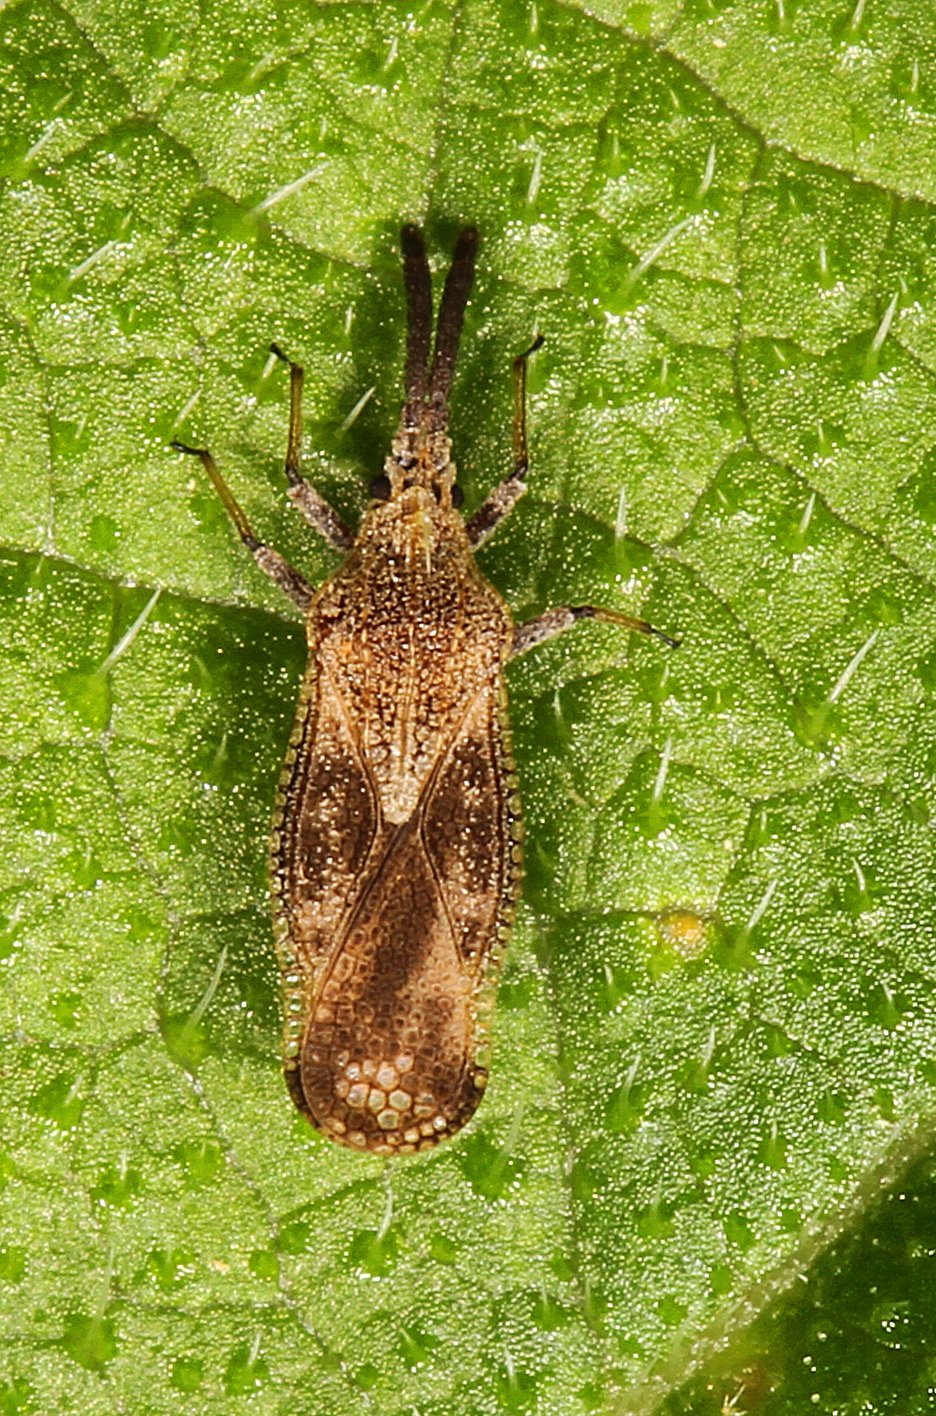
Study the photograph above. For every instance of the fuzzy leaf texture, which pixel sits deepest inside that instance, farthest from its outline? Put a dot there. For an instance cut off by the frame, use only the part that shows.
(716, 1035)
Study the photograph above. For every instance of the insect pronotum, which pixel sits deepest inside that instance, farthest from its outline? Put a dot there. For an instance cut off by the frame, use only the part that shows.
(395, 855)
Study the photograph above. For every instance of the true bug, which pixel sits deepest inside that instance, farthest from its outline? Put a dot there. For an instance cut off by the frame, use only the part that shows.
(395, 857)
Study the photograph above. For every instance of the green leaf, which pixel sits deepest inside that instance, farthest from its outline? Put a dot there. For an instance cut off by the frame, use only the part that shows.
(715, 1037)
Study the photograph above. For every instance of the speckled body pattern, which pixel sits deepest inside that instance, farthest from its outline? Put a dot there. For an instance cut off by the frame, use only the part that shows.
(395, 855)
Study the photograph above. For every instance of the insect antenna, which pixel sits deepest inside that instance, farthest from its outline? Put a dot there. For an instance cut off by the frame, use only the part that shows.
(451, 313)
(418, 284)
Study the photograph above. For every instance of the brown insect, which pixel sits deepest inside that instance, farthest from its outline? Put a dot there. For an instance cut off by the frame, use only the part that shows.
(395, 857)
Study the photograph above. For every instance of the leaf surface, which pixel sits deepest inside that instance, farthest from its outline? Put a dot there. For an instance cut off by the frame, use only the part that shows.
(715, 1034)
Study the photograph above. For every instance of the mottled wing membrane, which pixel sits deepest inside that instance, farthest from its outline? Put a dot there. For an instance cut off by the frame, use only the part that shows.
(471, 827)
(325, 836)
(389, 933)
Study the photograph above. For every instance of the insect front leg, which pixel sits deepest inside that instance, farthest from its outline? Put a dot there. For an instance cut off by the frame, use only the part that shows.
(553, 622)
(307, 501)
(484, 522)
(497, 504)
(293, 585)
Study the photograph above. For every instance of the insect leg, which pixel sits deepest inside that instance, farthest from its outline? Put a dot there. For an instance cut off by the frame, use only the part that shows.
(553, 622)
(307, 501)
(292, 584)
(496, 505)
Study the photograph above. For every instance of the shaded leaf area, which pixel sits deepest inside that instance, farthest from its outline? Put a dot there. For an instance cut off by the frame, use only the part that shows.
(854, 1335)
(715, 1033)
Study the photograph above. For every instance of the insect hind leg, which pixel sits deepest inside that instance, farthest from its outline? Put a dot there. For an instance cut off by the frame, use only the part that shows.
(553, 622)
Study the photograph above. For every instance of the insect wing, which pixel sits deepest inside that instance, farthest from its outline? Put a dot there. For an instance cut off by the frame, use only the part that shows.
(390, 930)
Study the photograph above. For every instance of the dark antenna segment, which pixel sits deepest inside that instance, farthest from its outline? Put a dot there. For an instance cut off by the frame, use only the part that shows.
(418, 284)
(451, 313)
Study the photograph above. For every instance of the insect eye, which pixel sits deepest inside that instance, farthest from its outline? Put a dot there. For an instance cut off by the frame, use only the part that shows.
(379, 489)
(458, 496)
